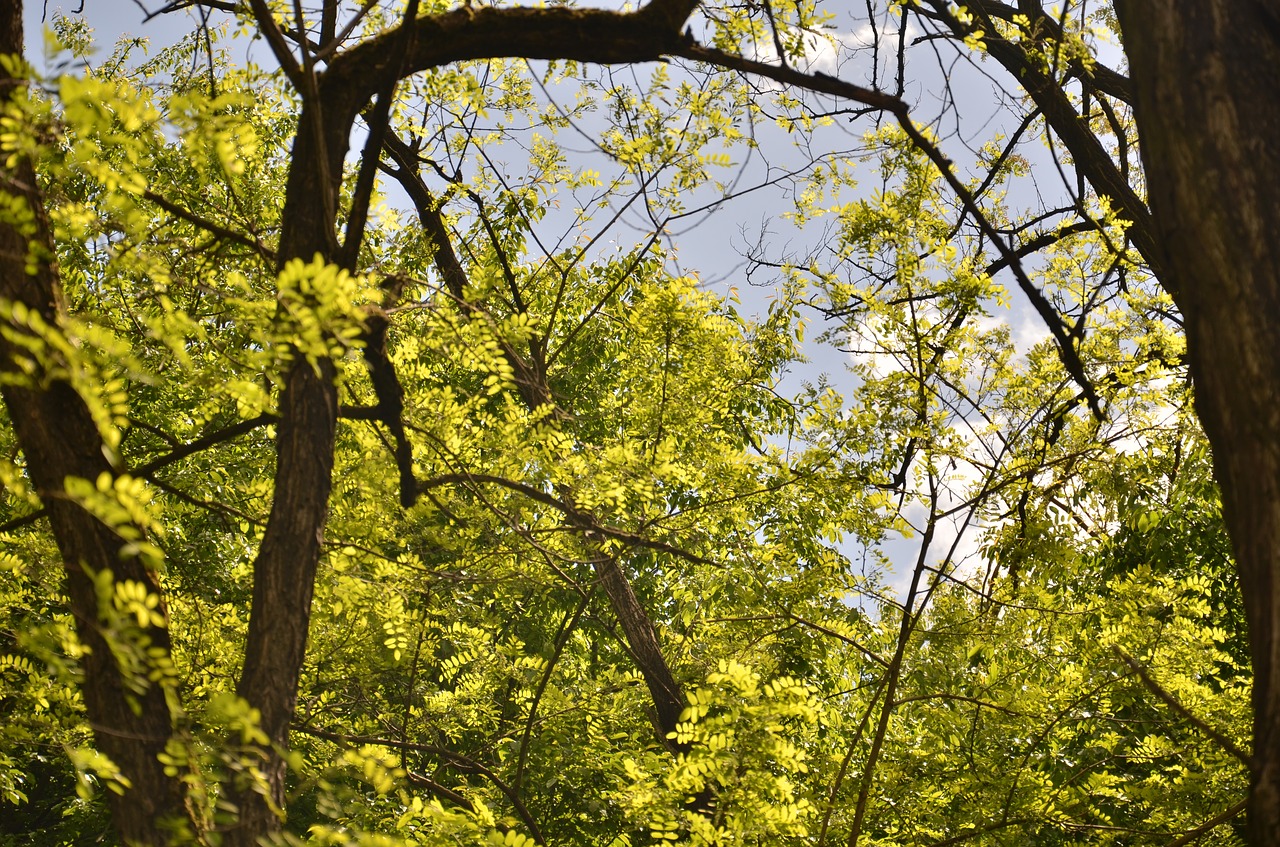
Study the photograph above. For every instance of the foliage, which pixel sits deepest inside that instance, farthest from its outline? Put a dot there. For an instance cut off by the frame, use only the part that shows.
(571, 405)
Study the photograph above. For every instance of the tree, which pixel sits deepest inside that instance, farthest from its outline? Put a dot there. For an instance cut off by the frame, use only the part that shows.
(1207, 157)
(568, 476)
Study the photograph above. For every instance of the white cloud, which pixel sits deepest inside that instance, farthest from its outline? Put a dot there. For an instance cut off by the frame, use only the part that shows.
(834, 52)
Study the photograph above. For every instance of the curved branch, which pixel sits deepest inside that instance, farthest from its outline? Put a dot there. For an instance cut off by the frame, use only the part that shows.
(204, 442)
(1097, 76)
(1089, 156)
(566, 630)
(585, 35)
(578, 518)
(817, 82)
(1215, 821)
(214, 229)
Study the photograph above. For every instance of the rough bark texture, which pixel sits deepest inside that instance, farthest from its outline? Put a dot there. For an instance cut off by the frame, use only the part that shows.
(642, 638)
(1206, 77)
(285, 570)
(59, 439)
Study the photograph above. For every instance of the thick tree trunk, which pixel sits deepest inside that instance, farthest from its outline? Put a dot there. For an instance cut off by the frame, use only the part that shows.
(284, 572)
(1207, 82)
(284, 580)
(130, 714)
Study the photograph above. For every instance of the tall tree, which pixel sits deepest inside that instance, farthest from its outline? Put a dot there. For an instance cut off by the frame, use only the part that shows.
(128, 685)
(1206, 81)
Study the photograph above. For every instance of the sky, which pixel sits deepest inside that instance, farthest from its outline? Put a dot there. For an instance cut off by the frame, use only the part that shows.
(110, 20)
(711, 244)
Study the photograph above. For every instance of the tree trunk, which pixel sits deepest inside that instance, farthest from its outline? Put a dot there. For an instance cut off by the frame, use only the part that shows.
(130, 715)
(284, 572)
(1207, 82)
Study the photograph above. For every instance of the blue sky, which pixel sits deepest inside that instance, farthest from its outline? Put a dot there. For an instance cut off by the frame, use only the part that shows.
(711, 244)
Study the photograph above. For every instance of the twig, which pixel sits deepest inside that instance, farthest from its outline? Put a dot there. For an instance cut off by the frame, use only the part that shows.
(465, 762)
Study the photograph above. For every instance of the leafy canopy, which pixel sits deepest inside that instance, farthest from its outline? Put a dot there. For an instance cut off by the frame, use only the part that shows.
(907, 588)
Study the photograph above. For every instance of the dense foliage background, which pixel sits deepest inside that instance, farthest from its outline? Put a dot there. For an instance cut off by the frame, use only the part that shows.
(809, 548)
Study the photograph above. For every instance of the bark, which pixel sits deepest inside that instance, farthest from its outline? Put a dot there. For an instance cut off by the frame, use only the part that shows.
(130, 715)
(642, 638)
(284, 571)
(485, 32)
(59, 438)
(1206, 78)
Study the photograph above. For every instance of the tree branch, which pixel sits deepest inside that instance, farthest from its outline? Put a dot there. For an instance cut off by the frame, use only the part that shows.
(204, 442)
(209, 226)
(1172, 702)
(1089, 156)
(465, 762)
(1215, 821)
